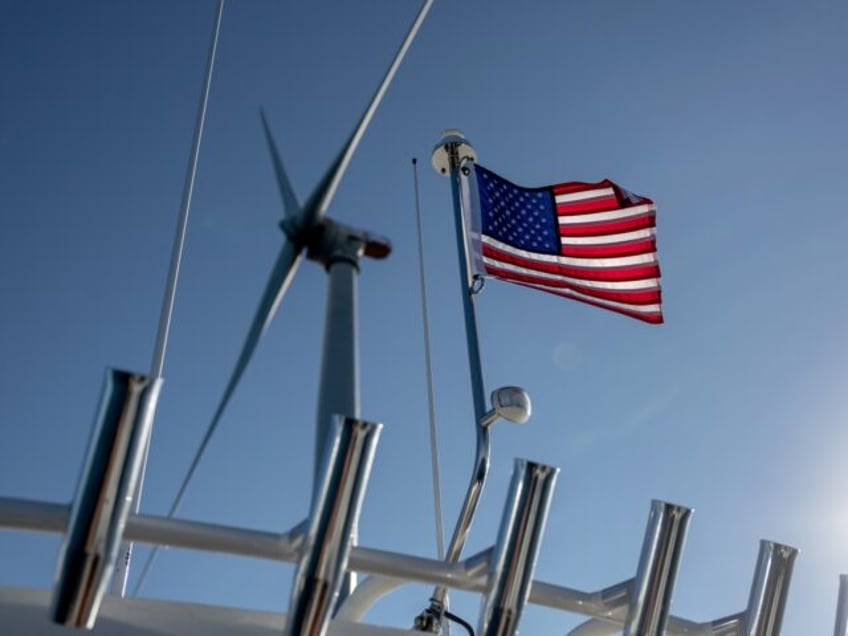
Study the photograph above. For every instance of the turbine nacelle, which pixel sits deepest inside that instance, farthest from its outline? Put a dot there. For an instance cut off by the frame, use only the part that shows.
(329, 241)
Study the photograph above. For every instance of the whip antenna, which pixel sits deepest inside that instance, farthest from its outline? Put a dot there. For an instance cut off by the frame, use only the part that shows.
(158, 362)
(431, 405)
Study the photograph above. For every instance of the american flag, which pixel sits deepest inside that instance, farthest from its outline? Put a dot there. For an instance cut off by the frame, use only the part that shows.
(592, 242)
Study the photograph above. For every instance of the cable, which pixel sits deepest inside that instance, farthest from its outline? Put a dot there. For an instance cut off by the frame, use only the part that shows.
(456, 619)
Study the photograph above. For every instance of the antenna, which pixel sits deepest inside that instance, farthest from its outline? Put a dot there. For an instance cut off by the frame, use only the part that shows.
(158, 364)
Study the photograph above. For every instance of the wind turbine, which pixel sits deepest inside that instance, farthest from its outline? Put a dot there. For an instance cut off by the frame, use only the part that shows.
(338, 248)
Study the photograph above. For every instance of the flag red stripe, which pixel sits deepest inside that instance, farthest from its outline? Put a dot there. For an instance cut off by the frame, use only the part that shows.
(627, 248)
(632, 297)
(615, 226)
(571, 187)
(653, 318)
(600, 204)
(630, 272)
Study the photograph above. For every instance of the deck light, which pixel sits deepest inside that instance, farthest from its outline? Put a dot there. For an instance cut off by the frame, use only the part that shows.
(510, 403)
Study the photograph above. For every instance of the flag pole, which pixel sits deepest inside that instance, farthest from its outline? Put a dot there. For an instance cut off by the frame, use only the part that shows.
(450, 157)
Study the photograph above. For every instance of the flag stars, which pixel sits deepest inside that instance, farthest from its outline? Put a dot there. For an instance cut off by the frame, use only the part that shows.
(519, 217)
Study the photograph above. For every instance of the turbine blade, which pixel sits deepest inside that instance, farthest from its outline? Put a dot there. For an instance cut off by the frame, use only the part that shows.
(291, 205)
(278, 283)
(320, 199)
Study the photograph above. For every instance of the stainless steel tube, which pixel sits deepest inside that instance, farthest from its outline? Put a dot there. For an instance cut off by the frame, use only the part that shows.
(841, 626)
(104, 496)
(519, 540)
(658, 563)
(769, 589)
(335, 509)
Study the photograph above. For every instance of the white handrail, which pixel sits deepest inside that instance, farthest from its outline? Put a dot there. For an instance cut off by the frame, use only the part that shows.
(609, 604)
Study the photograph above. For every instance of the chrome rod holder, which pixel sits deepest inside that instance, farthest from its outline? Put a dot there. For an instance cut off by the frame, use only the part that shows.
(651, 590)
(104, 495)
(335, 508)
(519, 540)
(841, 626)
(769, 589)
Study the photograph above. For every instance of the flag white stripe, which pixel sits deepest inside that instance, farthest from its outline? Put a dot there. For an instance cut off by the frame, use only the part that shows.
(612, 285)
(573, 197)
(594, 263)
(609, 239)
(611, 215)
(639, 309)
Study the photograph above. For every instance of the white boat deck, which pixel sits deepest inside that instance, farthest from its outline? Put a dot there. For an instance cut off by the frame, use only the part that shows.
(25, 612)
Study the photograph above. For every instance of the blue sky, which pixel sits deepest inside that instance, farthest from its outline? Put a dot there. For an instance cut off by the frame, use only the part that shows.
(731, 116)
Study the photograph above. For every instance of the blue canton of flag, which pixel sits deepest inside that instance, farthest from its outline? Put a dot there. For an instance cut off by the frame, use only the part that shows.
(523, 218)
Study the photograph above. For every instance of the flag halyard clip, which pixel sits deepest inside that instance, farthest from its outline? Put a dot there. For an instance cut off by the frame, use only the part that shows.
(478, 281)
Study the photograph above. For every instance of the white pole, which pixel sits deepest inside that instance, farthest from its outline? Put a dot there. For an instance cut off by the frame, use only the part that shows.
(428, 369)
(119, 585)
